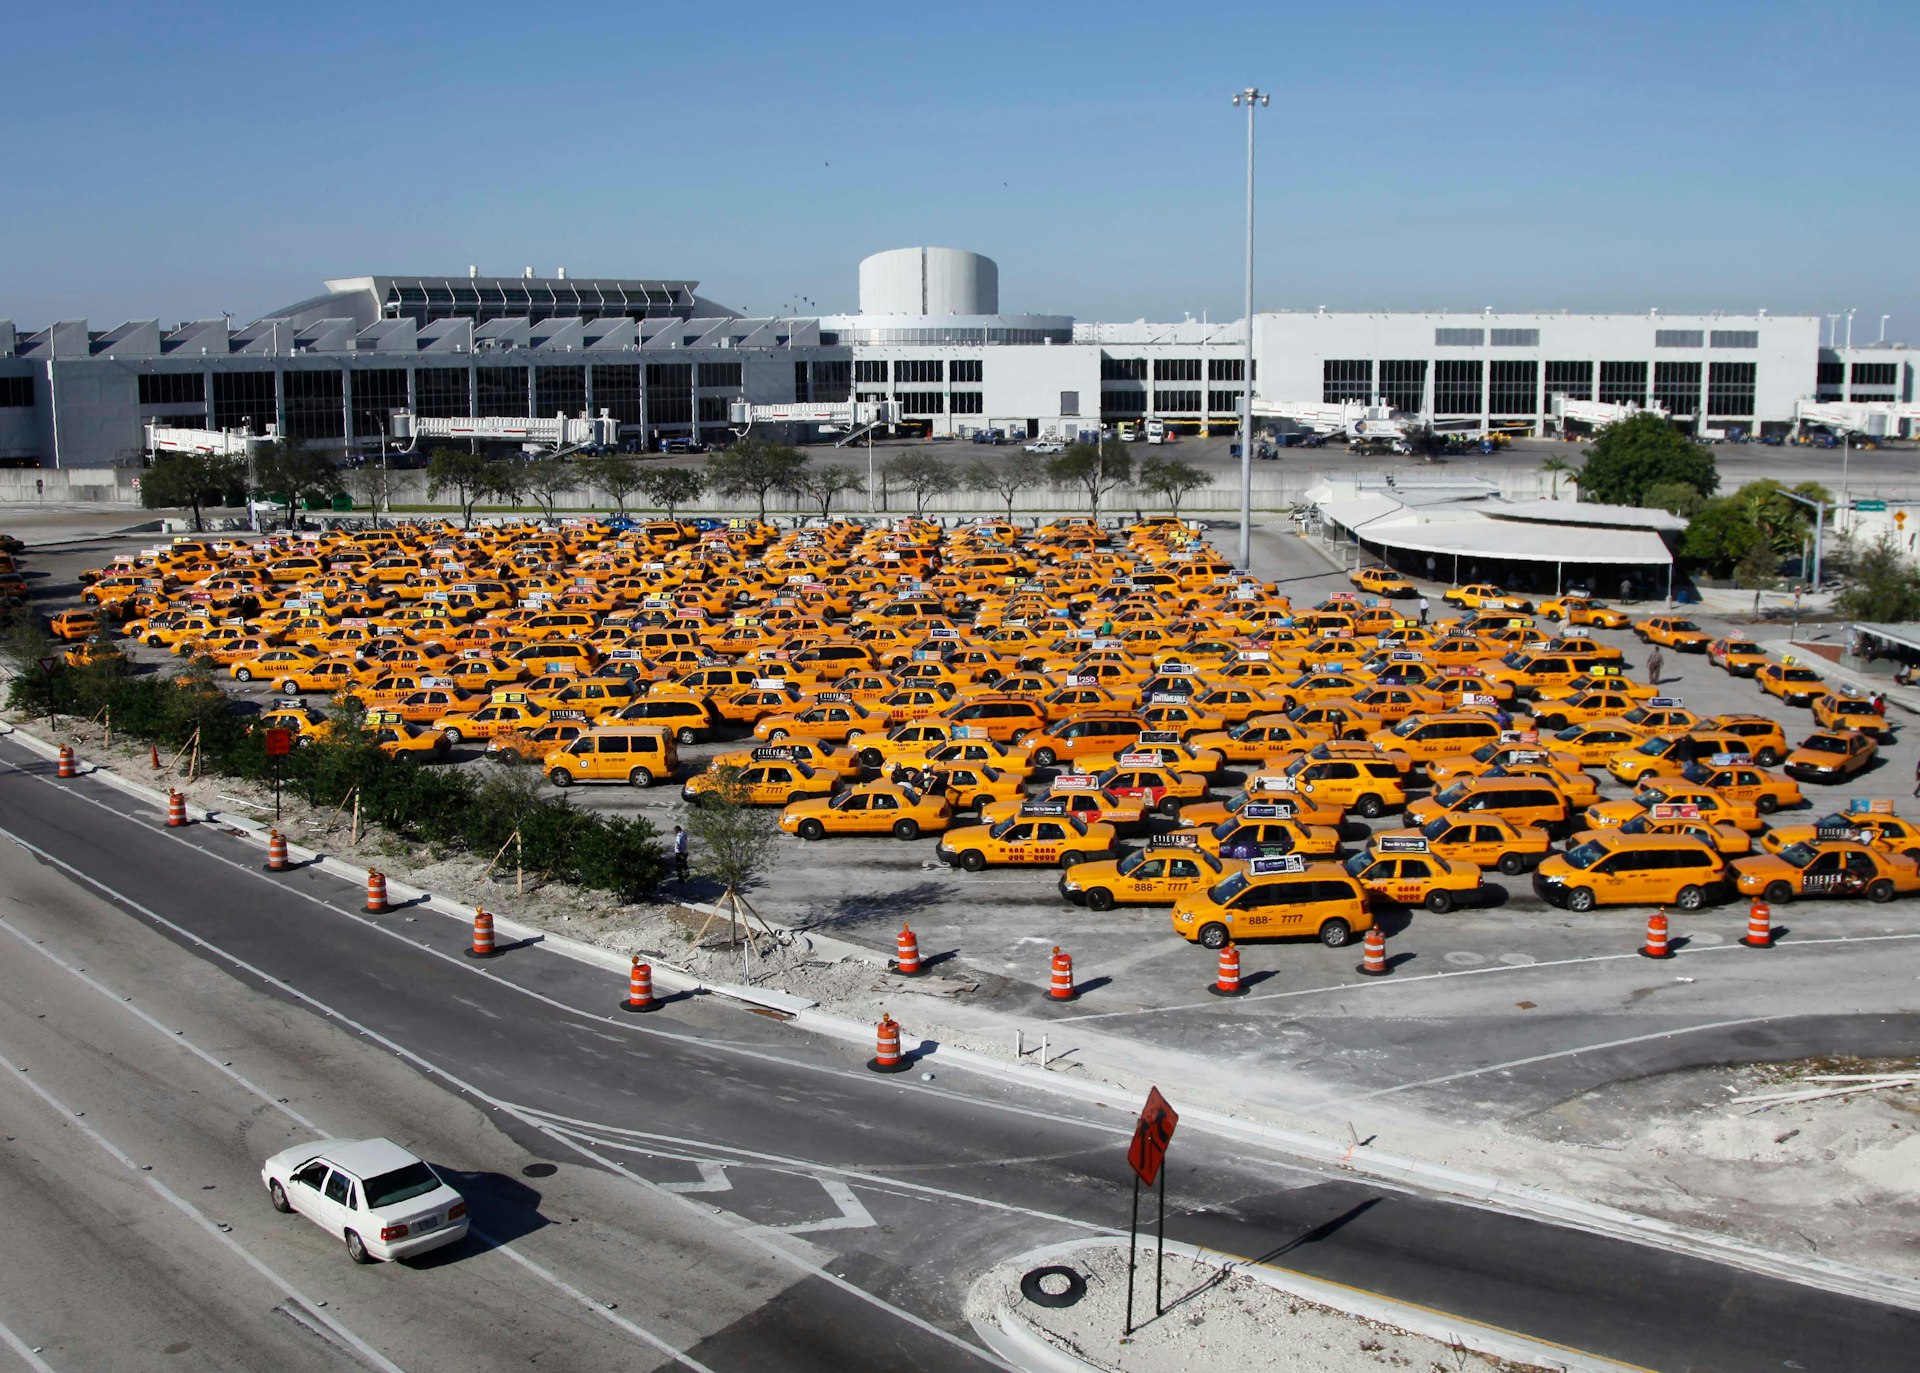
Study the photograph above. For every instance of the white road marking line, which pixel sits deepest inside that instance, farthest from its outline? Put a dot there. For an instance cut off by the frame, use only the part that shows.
(401, 1051)
(713, 1178)
(853, 1214)
(24, 1350)
(309, 1308)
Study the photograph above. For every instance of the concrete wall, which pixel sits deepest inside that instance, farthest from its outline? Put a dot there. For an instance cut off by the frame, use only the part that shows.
(99, 485)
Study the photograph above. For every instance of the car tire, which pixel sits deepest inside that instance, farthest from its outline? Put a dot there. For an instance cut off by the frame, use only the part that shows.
(1767, 757)
(811, 829)
(1044, 758)
(357, 1248)
(1580, 899)
(1690, 898)
(774, 736)
(1170, 807)
(640, 777)
(1766, 805)
(1512, 864)
(153, 641)
(1880, 889)
(1777, 894)
(454, 736)
(560, 777)
(1552, 722)
(278, 1196)
(1099, 899)
(1336, 933)
(687, 735)
(1213, 936)
(1439, 902)
(973, 860)
(906, 829)
(871, 758)
(1370, 806)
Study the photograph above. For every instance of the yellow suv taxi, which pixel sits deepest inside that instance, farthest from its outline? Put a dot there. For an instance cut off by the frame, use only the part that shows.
(1276, 898)
(1402, 871)
(1583, 610)
(1164, 871)
(1766, 740)
(1485, 840)
(1826, 867)
(1614, 869)
(634, 754)
(1440, 736)
(1368, 786)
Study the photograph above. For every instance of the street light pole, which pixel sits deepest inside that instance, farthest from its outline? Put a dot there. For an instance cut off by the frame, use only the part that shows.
(1251, 97)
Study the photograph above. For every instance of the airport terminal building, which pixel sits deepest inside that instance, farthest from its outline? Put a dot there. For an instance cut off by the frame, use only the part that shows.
(666, 362)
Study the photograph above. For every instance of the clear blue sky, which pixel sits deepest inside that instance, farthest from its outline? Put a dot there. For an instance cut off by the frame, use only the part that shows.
(179, 160)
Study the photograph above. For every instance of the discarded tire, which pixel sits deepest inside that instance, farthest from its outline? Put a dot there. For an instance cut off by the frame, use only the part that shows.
(1034, 1286)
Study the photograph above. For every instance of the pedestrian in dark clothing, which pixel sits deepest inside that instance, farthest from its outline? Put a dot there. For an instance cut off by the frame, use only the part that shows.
(1654, 663)
(680, 854)
(1916, 779)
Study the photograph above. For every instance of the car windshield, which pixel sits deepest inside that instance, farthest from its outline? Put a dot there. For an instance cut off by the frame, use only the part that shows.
(1132, 861)
(1742, 646)
(1640, 824)
(1655, 748)
(402, 1184)
(1453, 794)
(1799, 855)
(1406, 727)
(1584, 856)
(999, 831)
(1567, 735)
(1436, 827)
(1697, 773)
(1359, 863)
(1238, 731)
(1223, 892)
(1225, 827)
(1686, 627)
(1514, 659)
(1484, 754)
(1825, 743)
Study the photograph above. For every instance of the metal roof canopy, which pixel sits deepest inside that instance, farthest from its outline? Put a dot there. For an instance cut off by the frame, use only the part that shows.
(1525, 542)
(1906, 635)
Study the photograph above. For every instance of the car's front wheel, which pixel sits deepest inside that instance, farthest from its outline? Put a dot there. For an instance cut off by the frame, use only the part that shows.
(560, 777)
(1580, 899)
(278, 1196)
(1213, 936)
(1044, 757)
(811, 829)
(454, 736)
(1778, 893)
(973, 860)
(357, 1248)
(243, 674)
(1099, 899)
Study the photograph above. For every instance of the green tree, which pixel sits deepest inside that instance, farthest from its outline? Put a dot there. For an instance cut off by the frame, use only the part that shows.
(1758, 566)
(1635, 453)
(1719, 535)
(827, 484)
(1005, 480)
(615, 476)
(460, 472)
(925, 475)
(505, 481)
(1097, 467)
(282, 469)
(193, 480)
(735, 841)
(1556, 467)
(1783, 523)
(372, 485)
(1678, 498)
(671, 487)
(547, 480)
(754, 467)
(1885, 588)
(1171, 479)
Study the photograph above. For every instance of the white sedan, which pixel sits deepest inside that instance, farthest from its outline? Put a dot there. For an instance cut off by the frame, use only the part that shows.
(385, 1202)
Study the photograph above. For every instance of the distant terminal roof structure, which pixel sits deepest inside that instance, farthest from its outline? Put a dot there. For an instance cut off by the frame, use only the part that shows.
(421, 299)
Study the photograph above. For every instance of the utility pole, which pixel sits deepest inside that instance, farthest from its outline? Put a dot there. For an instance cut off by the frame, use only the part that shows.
(1252, 97)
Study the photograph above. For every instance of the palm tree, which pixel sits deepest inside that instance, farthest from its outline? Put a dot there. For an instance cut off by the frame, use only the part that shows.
(1555, 464)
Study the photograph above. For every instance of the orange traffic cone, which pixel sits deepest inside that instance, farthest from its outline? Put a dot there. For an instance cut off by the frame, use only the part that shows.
(1374, 964)
(176, 809)
(1061, 986)
(376, 892)
(277, 852)
(153, 751)
(1227, 982)
(887, 1057)
(1656, 945)
(907, 953)
(67, 767)
(640, 989)
(1759, 933)
(482, 936)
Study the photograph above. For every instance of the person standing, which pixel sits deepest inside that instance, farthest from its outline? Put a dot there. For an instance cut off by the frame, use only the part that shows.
(1654, 663)
(1424, 608)
(680, 854)
(1916, 778)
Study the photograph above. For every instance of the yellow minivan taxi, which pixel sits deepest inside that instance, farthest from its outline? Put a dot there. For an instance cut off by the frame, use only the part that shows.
(1614, 869)
(634, 754)
(1276, 898)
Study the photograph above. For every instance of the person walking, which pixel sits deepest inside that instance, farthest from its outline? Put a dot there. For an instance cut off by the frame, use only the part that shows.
(1916, 779)
(680, 854)
(1424, 609)
(1654, 663)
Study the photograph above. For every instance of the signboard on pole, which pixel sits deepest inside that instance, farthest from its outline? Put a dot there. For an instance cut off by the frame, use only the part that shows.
(1151, 1135)
(279, 743)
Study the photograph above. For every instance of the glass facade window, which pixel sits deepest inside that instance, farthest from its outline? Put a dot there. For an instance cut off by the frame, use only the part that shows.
(802, 383)
(719, 374)
(315, 404)
(1123, 369)
(428, 298)
(1516, 338)
(1070, 403)
(969, 403)
(1345, 379)
(1456, 387)
(956, 336)
(1736, 338)
(1176, 369)
(1512, 387)
(1881, 374)
(832, 380)
(244, 399)
(500, 391)
(918, 371)
(670, 393)
(1676, 385)
(1123, 403)
(922, 402)
(559, 390)
(377, 393)
(1574, 380)
(714, 409)
(1458, 338)
(1223, 402)
(965, 369)
(1403, 384)
(1176, 402)
(616, 389)
(1679, 338)
(870, 370)
(1623, 383)
(1226, 369)
(440, 393)
(16, 393)
(1730, 388)
(168, 388)
(1832, 374)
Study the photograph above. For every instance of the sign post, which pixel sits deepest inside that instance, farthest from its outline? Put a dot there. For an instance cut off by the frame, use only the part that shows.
(279, 745)
(1146, 1156)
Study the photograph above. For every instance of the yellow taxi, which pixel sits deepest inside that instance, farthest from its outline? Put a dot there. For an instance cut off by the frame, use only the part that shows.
(1583, 610)
(1485, 596)
(1368, 786)
(491, 719)
(1766, 740)
(1094, 732)
(1831, 755)
(1729, 841)
(331, 675)
(1380, 581)
(1600, 677)
(1440, 736)
(1524, 802)
(1826, 867)
(1849, 710)
(1879, 827)
(1259, 740)
(829, 718)
(1790, 682)
(764, 781)
(1264, 792)
(638, 755)
(1026, 842)
(870, 808)
(398, 738)
(975, 786)
(1143, 778)
(1593, 745)
(72, 626)
(1673, 631)
(1161, 747)
(1663, 755)
(1612, 869)
(1485, 840)
(531, 745)
(1738, 657)
(1260, 830)
(1080, 798)
(833, 761)
(1739, 779)
(1157, 875)
(306, 723)
(1601, 703)
(1276, 898)
(1708, 805)
(1403, 871)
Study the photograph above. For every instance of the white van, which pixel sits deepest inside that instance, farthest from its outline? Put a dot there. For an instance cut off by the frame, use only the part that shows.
(1156, 431)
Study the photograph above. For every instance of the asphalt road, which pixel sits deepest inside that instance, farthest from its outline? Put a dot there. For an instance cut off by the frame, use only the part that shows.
(900, 1188)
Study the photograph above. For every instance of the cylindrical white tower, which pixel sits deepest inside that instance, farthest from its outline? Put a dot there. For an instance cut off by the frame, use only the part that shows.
(929, 281)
